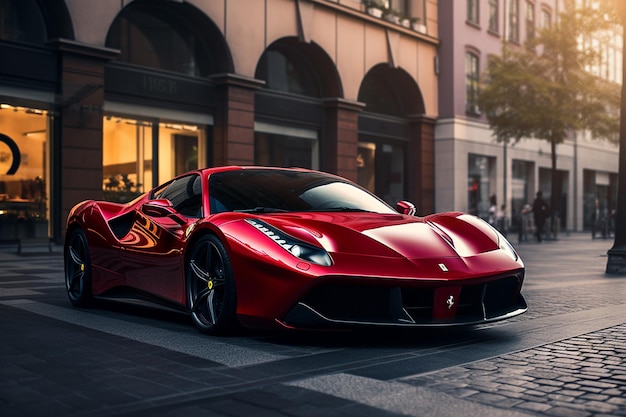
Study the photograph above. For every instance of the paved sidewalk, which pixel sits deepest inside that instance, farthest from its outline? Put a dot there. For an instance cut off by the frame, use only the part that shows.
(581, 376)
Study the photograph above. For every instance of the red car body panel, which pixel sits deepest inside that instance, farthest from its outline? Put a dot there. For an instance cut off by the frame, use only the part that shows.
(372, 254)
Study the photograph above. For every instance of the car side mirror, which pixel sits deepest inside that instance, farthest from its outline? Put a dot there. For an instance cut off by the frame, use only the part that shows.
(162, 207)
(405, 207)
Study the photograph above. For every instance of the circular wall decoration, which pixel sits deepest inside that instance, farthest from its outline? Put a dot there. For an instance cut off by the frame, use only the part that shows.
(15, 152)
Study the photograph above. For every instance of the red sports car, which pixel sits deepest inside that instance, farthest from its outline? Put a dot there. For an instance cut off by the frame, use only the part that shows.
(290, 248)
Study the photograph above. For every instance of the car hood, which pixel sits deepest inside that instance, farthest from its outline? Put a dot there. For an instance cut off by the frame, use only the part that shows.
(391, 235)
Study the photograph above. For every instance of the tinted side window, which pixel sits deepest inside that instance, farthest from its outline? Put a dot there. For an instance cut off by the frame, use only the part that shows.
(185, 194)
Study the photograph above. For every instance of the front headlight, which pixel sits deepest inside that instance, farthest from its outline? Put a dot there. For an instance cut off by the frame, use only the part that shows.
(292, 245)
(504, 244)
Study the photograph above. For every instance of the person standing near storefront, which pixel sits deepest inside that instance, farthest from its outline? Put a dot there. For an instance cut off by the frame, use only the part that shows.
(541, 210)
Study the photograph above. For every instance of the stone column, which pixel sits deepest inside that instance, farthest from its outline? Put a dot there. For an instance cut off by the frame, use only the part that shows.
(77, 139)
(233, 132)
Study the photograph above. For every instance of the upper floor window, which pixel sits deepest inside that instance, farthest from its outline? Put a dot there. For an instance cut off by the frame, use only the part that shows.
(493, 16)
(514, 21)
(530, 20)
(154, 37)
(400, 6)
(285, 68)
(413, 9)
(472, 78)
(472, 11)
(546, 18)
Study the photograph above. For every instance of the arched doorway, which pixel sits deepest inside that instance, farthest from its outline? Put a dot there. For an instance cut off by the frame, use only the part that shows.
(389, 137)
(291, 111)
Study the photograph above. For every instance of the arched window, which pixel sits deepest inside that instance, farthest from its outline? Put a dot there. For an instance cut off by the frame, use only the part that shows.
(154, 35)
(390, 95)
(380, 95)
(22, 21)
(390, 91)
(286, 68)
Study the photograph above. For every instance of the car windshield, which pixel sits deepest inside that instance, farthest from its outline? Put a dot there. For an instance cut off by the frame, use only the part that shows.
(271, 191)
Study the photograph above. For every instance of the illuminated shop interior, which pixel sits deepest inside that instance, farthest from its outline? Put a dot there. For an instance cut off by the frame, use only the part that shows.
(130, 146)
(24, 185)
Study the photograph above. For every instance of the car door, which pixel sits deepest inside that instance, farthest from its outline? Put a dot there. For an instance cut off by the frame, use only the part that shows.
(152, 250)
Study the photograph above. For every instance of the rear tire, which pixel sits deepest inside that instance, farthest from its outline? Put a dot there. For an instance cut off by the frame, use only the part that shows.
(78, 269)
(211, 294)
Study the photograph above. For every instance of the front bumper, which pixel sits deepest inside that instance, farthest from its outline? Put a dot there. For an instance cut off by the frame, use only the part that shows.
(339, 303)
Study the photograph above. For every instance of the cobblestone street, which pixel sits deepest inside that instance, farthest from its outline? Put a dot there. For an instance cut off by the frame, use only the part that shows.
(581, 376)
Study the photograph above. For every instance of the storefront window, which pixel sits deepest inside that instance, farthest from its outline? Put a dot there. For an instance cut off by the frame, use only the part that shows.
(545, 183)
(288, 70)
(380, 169)
(481, 184)
(600, 196)
(180, 146)
(366, 166)
(24, 205)
(128, 154)
(558, 204)
(520, 191)
(127, 158)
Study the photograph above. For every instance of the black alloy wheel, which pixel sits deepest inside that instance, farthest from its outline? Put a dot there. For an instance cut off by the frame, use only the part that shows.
(78, 269)
(211, 294)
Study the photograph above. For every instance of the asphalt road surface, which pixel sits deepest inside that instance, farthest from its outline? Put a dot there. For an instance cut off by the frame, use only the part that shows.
(565, 357)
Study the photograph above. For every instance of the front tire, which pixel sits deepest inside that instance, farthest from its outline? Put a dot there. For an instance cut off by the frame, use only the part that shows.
(211, 294)
(78, 269)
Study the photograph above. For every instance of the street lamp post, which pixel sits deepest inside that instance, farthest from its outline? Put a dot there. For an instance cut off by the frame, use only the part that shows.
(616, 263)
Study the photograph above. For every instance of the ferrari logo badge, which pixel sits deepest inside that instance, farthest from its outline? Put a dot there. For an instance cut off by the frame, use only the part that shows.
(210, 285)
(443, 267)
(450, 302)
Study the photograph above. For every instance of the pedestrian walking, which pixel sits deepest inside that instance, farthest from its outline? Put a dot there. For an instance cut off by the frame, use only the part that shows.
(541, 210)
